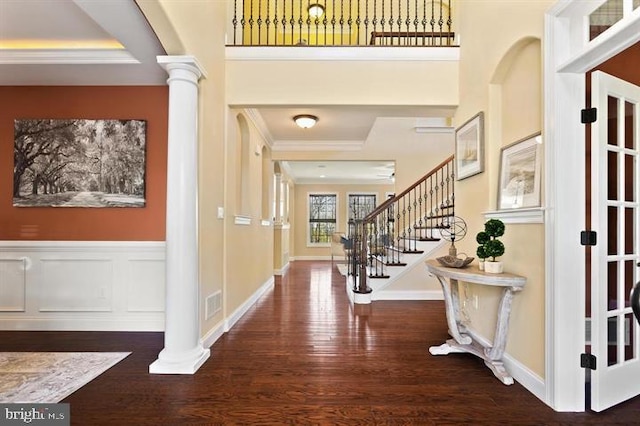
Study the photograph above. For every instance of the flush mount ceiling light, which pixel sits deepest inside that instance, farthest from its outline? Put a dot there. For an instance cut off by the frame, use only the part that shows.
(305, 121)
(315, 10)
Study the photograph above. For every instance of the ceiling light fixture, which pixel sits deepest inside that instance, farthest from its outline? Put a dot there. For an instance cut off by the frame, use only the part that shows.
(305, 121)
(315, 10)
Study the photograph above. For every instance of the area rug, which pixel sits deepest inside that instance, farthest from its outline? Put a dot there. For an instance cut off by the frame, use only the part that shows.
(49, 377)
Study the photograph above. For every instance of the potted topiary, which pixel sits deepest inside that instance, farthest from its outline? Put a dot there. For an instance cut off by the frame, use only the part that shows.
(491, 246)
(480, 253)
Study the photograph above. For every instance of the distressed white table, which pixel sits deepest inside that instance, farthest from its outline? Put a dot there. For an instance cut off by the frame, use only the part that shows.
(463, 342)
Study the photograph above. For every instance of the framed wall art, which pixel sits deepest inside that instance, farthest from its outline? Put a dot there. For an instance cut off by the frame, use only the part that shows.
(520, 173)
(79, 163)
(470, 147)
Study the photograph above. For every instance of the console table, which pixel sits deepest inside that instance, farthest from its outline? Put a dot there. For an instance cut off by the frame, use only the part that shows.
(463, 342)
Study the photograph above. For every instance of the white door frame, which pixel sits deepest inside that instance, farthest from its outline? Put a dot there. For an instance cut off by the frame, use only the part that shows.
(567, 57)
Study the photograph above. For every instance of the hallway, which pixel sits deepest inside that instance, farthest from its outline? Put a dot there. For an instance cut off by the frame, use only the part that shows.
(303, 355)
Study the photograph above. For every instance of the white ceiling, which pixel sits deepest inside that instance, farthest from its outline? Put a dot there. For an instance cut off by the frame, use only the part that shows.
(109, 42)
(77, 42)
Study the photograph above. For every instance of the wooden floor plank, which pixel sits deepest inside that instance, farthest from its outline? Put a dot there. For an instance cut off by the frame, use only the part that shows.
(304, 356)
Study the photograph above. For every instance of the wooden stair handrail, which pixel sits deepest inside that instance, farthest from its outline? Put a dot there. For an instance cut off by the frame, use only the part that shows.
(390, 201)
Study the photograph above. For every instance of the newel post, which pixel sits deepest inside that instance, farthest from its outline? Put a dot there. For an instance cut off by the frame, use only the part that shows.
(183, 352)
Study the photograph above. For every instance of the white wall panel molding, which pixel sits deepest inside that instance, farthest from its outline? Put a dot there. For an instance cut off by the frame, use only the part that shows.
(78, 285)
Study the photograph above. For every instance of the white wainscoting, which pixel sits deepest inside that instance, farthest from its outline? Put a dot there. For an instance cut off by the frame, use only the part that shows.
(82, 285)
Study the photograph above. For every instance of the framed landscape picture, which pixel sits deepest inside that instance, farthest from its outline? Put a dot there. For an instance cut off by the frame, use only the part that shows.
(520, 174)
(470, 147)
(79, 163)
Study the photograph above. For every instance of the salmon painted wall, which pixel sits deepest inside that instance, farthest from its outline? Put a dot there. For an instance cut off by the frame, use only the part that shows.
(148, 103)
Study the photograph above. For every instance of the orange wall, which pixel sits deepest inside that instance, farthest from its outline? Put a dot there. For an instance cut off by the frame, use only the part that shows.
(148, 103)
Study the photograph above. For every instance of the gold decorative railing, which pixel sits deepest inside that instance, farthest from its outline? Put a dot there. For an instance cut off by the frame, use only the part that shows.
(342, 23)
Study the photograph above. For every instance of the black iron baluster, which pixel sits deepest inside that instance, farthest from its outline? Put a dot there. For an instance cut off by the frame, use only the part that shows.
(267, 22)
(424, 20)
(259, 21)
(374, 21)
(440, 22)
(406, 22)
(275, 23)
(324, 22)
(391, 20)
(447, 180)
(333, 24)
(341, 22)
(292, 22)
(317, 24)
(382, 22)
(358, 22)
(300, 22)
(449, 23)
(350, 22)
(416, 21)
(251, 23)
(284, 21)
(420, 212)
(234, 21)
(308, 22)
(433, 22)
(366, 20)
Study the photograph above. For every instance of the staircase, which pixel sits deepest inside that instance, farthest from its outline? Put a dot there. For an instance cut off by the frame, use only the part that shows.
(399, 234)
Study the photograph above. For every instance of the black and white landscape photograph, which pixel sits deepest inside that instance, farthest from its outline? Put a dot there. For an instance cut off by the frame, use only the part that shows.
(79, 163)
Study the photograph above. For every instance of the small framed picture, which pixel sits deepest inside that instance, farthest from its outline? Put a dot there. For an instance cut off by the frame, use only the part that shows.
(470, 147)
(520, 163)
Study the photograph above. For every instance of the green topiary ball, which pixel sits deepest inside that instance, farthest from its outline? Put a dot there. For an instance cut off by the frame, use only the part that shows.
(494, 248)
(481, 253)
(482, 237)
(494, 227)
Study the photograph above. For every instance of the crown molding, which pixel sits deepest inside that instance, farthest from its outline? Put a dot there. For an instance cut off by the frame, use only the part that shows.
(66, 56)
(300, 145)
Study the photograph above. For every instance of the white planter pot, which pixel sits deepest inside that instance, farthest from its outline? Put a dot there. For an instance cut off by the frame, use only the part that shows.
(481, 265)
(493, 267)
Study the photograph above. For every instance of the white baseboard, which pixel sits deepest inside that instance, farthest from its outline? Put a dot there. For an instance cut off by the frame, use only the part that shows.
(408, 295)
(242, 309)
(155, 323)
(213, 335)
(311, 258)
(521, 373)
(282, 271)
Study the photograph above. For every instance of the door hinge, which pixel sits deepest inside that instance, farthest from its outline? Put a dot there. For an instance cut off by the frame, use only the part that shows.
(588, 115)
(588, 238)
(588, 361)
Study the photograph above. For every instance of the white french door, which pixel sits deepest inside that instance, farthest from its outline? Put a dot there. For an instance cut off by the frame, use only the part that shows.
(615, 207)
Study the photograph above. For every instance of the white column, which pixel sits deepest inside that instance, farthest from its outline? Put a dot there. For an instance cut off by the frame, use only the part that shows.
(183, 352)
(278, 198)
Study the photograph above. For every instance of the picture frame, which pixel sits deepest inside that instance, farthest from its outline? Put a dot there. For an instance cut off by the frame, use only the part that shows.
(470, 147)
(520, 174)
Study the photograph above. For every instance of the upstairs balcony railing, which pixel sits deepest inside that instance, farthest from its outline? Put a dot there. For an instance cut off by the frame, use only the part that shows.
(342, 23)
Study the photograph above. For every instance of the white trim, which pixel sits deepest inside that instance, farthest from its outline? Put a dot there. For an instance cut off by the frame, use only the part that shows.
(342, 53)
(283, 270)
(317, 145)
(324, 181)
(66, 56)
(166, 61)
(260, 125)
(282, 226)
(527, 215)
(337, 214)
(64, 246)
(618, 37)
(520, 372)
(213, 335)
(242, 220)
(311, 258)
(265, 222)
(242, 309)
(408, 295)
(87, 322)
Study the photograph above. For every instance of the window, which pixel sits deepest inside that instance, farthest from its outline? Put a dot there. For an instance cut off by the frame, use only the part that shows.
(360, 205)
(322, 218)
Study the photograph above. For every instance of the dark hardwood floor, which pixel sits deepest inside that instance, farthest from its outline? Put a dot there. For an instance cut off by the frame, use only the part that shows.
(302, 355)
